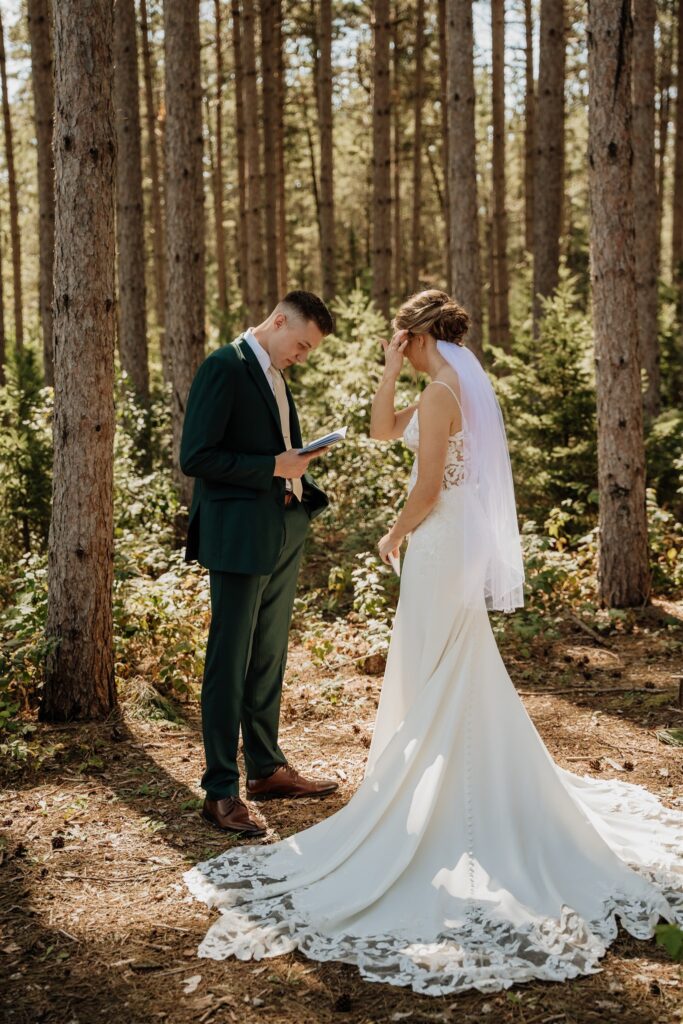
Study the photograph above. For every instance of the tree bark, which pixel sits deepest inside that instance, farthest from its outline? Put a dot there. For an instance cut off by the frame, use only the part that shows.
(243, 240)
(443, 93)
(549, 155)
(664, 113)
(218, 209)
(184, 211)
(158, 241)
(381, 159)
(397, 130)
(269, 68)
(462, 168)
(254, 226)
(677, 229)
(416, 254)
(15, 234)
(624, 577)
(327, 227)
(3, 336)
(500, 330)
(42, 70)
(280, 154)
(79, 676)
(132, 320)
(645, 199)
(529, 127)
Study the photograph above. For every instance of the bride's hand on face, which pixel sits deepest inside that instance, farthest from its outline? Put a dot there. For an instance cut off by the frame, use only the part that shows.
(394, 351)
(389, 544)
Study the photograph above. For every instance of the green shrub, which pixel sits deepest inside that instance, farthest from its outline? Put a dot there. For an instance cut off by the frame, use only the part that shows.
(547, 393)
(25, 459)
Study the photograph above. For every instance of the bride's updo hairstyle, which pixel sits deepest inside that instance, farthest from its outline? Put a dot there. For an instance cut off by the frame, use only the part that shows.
(433, 312)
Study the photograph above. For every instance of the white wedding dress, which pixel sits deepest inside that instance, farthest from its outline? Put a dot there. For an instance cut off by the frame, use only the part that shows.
(467, 858)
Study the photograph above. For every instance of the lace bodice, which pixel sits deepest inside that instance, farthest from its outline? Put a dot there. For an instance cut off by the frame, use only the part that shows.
(457, 469)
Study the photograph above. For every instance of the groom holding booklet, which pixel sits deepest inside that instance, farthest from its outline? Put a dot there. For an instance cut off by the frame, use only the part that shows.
(251, 510)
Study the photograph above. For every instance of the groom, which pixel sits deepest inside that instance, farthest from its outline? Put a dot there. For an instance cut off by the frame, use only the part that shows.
(250, 514)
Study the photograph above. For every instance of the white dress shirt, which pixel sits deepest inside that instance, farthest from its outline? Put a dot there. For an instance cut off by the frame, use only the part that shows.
(267, 367)
(261, 354)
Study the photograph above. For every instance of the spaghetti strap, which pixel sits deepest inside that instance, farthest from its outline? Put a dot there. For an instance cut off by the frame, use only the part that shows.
(450, 389)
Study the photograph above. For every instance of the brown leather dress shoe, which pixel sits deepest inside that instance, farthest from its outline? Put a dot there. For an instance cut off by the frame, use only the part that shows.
(286, 783)
(231, 815)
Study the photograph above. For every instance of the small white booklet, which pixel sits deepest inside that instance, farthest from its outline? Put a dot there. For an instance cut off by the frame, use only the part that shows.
(323, 442)
(395, 562)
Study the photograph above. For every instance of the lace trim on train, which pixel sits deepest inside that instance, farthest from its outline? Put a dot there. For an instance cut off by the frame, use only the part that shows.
(482, 952)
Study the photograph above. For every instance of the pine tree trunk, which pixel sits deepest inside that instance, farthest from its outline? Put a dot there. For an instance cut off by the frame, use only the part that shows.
(500, 334)
(243, 240)
(645, 199)
(416, 260)
(327, 228)
(677, 231)
(624, 573)
(269, 67)
(491, 271)
(462, 168)
(218, 210)
(254, 226)
(549, 155)
(44, 103)
(664, 113)
(132, 322)
(3, 337)
(306, 121)
(381, 158)
(15, 234)
(443, 94)
(529, 127)
(397, 130)
(79, 674)
(184, 211)
(280, 154)
(158, 241)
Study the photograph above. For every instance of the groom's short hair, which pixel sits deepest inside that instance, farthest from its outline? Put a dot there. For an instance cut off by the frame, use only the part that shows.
(310, 307)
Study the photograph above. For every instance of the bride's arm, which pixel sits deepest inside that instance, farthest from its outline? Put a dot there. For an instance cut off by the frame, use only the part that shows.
(385, 423)
(435, 414)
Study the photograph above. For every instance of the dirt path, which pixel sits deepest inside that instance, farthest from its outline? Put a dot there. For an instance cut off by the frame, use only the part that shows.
(100, 824)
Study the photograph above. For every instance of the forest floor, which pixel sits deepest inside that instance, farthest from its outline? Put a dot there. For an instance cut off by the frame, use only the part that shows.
(100, 822)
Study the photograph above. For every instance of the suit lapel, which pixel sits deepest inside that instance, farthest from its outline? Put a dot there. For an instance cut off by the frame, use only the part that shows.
(258, 376)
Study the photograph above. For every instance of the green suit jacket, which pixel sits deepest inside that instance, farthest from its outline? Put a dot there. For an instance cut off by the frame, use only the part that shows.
(231, 436)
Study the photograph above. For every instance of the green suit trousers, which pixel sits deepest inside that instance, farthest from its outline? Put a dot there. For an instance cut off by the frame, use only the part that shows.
(245, 663)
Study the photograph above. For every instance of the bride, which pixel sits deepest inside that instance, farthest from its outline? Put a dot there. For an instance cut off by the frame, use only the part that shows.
(467, 858)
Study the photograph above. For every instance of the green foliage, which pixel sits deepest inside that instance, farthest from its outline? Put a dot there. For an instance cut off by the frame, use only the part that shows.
(670, 350)
(25, 458)
(671, 937)
(665, 537)
(145, 499)
(547, 393)
(23, 646)
(664, 451)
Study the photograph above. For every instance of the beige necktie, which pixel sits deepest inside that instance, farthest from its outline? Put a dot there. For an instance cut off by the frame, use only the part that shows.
(283, 408)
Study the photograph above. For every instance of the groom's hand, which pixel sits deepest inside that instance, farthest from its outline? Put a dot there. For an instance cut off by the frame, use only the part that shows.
(292, 465)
